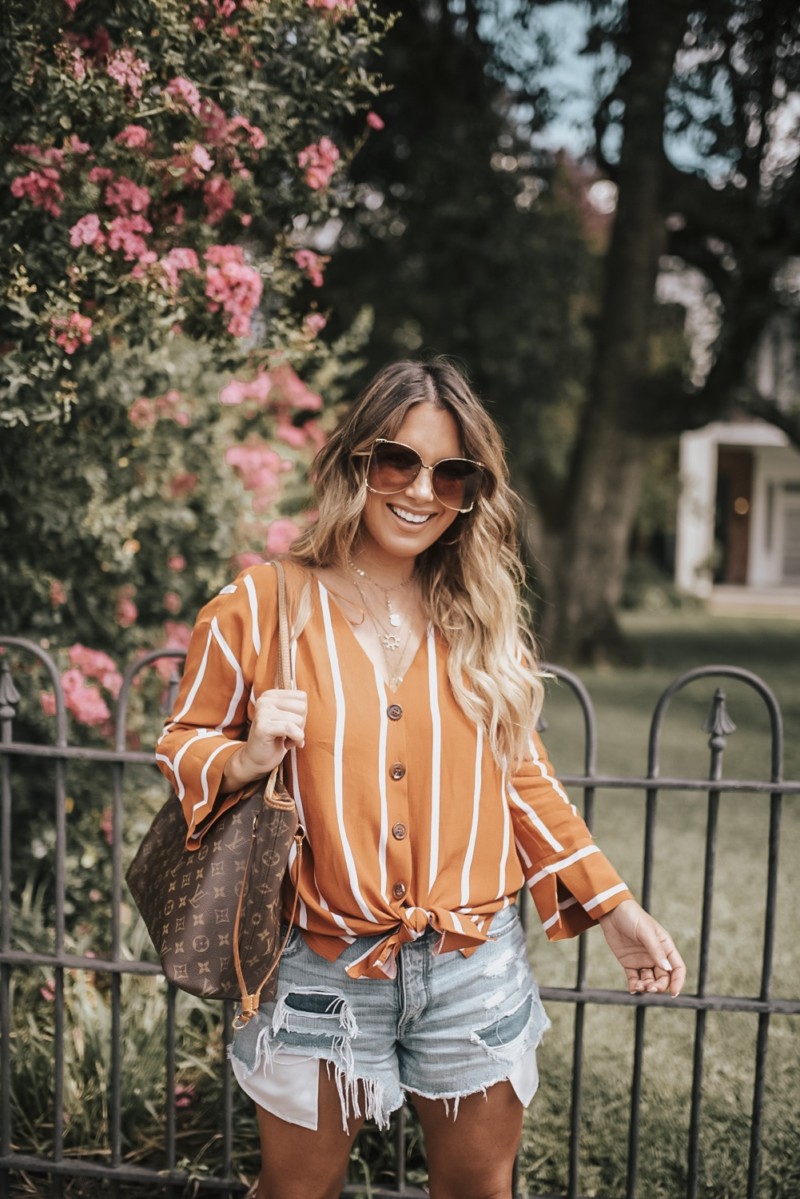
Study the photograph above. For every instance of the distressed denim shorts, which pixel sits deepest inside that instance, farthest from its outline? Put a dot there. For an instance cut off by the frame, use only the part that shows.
(445, 1027)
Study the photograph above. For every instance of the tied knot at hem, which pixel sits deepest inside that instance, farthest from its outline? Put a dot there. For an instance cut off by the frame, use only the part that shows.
(456, 932)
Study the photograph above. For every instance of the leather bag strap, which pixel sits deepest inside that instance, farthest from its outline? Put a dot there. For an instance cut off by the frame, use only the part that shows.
(251, 1000)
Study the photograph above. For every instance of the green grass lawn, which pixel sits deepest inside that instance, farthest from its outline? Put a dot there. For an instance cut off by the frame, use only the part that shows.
(624, 700)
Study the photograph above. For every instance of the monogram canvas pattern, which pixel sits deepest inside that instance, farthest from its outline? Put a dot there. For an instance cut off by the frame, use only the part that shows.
(188, 898)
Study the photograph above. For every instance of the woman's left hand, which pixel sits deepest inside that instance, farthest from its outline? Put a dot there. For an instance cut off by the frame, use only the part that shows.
(644, 949)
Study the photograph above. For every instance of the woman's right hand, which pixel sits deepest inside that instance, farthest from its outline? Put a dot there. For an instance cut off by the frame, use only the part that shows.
(278, 725)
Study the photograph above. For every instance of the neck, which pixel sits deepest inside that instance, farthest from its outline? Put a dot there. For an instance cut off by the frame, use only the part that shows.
(393, 573)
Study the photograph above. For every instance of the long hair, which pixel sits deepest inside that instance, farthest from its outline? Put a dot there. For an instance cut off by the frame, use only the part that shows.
(471, 581)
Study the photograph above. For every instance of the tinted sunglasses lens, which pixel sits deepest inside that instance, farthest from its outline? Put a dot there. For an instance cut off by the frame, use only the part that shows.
(392, 467)
(456, 482)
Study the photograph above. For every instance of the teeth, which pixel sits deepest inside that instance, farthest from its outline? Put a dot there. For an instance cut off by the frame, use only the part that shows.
(412, 517)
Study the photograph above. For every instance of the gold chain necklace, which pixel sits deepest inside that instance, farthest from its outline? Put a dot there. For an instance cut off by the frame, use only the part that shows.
(393, 648)
(394, 617)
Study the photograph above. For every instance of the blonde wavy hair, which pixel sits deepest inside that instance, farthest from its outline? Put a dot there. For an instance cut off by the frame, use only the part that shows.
(471, 583)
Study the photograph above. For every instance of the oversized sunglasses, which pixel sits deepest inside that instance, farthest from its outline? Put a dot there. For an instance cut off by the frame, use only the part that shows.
(393, 467)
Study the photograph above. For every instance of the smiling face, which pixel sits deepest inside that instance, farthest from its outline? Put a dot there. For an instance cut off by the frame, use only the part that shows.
(403, 525)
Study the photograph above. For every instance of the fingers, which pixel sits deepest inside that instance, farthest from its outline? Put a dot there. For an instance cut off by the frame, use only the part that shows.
(281, 714)
(663, 968)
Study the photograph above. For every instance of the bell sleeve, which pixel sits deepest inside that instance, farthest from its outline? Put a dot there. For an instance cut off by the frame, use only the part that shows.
(571, 881)
(209, 721)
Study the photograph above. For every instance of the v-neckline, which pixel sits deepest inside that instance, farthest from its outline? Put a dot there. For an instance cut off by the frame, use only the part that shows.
(333, 603)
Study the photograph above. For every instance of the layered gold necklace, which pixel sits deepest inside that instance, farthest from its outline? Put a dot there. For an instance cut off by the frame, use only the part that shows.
(394, 639)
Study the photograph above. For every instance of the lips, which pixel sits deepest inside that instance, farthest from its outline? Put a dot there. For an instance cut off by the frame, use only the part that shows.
(411, 518)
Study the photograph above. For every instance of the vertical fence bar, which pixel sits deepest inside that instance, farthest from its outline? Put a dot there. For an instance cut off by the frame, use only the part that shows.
(9, 698)
(775, 806)
(641, 1011)
(720, 726)
(60, 939)
(115, 1099)
(578, 689)
(227, 1091)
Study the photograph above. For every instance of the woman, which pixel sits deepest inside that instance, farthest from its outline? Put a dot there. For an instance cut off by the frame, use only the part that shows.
(426, 794)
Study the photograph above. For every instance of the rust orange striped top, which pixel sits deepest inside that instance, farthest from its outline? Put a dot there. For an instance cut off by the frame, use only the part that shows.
(410, 819)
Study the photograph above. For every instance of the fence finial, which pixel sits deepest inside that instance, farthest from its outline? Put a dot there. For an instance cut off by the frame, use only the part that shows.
(9, 696)
(718, 722)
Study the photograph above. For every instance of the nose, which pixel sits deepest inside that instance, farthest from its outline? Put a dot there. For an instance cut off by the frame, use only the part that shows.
(422, 487)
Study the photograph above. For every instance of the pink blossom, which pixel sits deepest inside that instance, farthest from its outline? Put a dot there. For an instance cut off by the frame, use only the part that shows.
(83, 699)
(238, 391)
(133, 137)
(374, 121)
(290, 434)
(42, 188)
(172, 601)
(48, 991)
(124, 233)
(314, 323)
(48, 702)
(320, 160)
(219, 197)
(313, 265)
(255, 136)
(126, 612)
(70, 332)
(201, 157)
(100, 175)
(246, 219)
(95, 664)
(214, 122)
(233, 287)
(180, 258)
(58, 595)
(72, 5)
(293, 390)
(43, 156)
(183, 483)
(170, 405)
(74, 145)
(176, 562)
(257, 466)
(184, 1094)
(248, 558)
(77, 65)
(87, 232)
(95, 894)
(127, 197)
(184, 93)
(127, 70)
(281, 534)
(142, 414)
(233, 393)
(336, 7)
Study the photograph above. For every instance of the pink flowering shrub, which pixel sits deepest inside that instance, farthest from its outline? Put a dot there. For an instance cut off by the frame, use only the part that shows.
(133, 149)
(71, 331)
(319, 162)
(312, 264)
(155, 308)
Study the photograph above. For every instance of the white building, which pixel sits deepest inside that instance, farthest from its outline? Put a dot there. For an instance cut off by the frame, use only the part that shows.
(738, 527)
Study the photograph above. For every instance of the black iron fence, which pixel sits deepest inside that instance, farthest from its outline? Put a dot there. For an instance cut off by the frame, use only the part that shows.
(55, 1169)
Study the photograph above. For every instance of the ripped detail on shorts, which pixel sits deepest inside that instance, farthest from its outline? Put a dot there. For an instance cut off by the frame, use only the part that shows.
(311, 1023)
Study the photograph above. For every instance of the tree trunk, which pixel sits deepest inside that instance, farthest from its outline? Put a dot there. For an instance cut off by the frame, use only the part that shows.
(609, 458)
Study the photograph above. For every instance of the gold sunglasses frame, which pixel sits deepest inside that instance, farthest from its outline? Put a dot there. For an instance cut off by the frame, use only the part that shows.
(423, 466)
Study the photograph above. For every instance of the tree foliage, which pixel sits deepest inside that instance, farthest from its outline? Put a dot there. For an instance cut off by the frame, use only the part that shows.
(479, 244)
